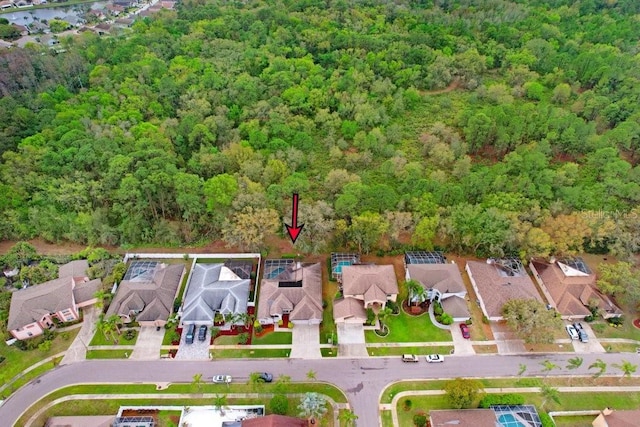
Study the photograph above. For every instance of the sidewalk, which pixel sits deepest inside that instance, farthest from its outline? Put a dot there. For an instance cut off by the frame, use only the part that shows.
(78, 349)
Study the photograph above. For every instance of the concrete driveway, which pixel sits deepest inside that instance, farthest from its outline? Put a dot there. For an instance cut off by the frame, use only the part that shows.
(351, 341)
(462, 347)
(305, 342)
(593, 346)
(506, 339)
(78, 349)
(148, 345)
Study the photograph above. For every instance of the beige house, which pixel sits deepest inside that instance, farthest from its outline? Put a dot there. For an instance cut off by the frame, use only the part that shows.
(349, 310)
(290, 289)
(34, 309)
(147, 292)
(364, 286)
(571, 287)
(497, 281)
(614, 418)
(463, 418)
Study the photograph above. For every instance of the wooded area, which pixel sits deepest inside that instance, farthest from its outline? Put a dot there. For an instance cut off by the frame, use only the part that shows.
(200, 123)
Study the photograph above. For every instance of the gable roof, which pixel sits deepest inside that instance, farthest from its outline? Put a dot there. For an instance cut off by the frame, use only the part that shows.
(214, 287)
(85, 291)
(306, 299)
(570, 288)
(77, 268)
(346, 308)
(464, 417)
(456, 307)
(274, 421)
(153, 300)
(619, 418)
(495, 289)
(445, 278)
(371, 281)
(31, 304)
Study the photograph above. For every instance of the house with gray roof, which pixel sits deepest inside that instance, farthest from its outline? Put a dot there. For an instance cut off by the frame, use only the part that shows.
(34, 309)
(290, 288)
(216, 288)
(147, 292)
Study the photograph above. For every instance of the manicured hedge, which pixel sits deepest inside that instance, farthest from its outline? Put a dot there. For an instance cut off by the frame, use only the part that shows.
(501, 399)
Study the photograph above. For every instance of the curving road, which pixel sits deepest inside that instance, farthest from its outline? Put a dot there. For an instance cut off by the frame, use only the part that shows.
(362, 379)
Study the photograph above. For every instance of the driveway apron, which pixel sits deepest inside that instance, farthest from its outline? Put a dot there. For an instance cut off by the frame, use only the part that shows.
(148, 345)
(351, 341)
(305, 342)
(462, 347)
(78, 349)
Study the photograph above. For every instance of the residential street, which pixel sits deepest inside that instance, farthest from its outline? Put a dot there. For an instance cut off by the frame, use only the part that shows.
(362, 379)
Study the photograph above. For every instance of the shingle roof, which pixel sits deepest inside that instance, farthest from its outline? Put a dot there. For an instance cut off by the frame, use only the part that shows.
(306, 299)
(154, 299)
(76, 268)
(464, 418)
(571, 293)
(31, 304)
(456, 307)
(349, 308)
(622, 418)
(444, 277)
(85, 291)
(495, 290)
(214, 287)
(376, 279)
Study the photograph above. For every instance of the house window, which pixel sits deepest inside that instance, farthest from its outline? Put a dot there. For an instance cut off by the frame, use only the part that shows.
(286, 311)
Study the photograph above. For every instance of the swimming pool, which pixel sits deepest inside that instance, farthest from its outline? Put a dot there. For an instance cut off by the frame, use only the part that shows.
(509, 420)
(340, 264)
(275, 272)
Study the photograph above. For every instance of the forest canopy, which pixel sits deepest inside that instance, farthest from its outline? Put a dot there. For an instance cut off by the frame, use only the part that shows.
(493, 127)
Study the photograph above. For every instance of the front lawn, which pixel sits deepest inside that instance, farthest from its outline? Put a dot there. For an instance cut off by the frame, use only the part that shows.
(272, 338)
(248, 353)
(100, 339)
(397, 351)
(406, 328)
(108, 354)
(602, 329)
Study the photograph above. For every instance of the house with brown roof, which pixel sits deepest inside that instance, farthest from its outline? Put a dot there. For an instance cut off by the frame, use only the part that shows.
(364, 286)
(463, 418)
(571, 287)
(147, 293)
(290, 288)
(442, 282)
(274, 421)
(34, 309)
(497, 281)
(616, 418)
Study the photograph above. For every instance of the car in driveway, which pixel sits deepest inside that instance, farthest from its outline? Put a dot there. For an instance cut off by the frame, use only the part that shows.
(222, 379)
(409, 358)
(191, 329)
(582, 334)
(465, 331)
(434, 358)
(202, 333)
(571, 331)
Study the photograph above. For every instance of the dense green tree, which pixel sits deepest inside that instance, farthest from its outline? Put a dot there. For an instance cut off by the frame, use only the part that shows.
(462, 392)
(531, 320)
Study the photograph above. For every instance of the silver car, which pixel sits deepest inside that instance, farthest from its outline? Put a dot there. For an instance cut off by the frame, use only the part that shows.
(222, 379)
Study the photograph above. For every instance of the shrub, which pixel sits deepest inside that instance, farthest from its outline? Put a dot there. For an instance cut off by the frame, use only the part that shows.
(501, 399)
(407, 404)
(437, 309)
(215, 332)
(280, 322)
(290, 325)
(469, 321)
(243, 338)
(130, 334)
(44, 346)
(618, 321)
(279, 404)
(258, 328)
(256, 324)
(420, 420)
(371, 316)
(446, 319)
(395, 309)
(589, 318)
(546, 420)
(485, 320)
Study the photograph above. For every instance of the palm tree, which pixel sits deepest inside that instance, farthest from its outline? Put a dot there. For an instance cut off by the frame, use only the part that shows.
(101, 326)
(255, 378)
(548, 366)
(102, 296)
(599, 364)
(574, 363)
(347, 418)
(626, 367)
(549, 393)
(220, 402)
(197, 381)
(312, 406)
(383, 314)
(416, 291)
(522, 369)
(311, 375)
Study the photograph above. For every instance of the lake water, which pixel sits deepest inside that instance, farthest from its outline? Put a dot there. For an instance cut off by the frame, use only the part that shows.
(25, 17)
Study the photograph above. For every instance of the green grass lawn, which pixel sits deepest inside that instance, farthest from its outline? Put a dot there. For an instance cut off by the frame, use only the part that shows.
(256, 353)
(574, 421)
(108, 354)
(226, 340)
(168, 418)
(329, 352)
(272, 338)
(17, 360)
(387, 419)
(100, 339)
(627, 330)
(397, 351)
(405, 328)
(169, 335)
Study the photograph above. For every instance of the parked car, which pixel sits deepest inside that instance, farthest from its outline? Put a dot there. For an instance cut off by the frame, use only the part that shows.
(202, 332)
(409, 358)
(465, 331)
(222, 379)
(266, 377)
(571, 331)
(578, 326)
(582, 334)
(434, 358)
(191, 330)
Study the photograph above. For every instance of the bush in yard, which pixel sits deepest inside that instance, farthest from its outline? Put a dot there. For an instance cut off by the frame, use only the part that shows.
(256, 324)
(130, 334)
(280, 322)
(462, 392)
(371, 316)
(617, 321)
(290, 325)
(420, 420)
(258, 328)
(501, 399)
(243, 338)
(279, 404)
(407, 404)
(546, 420)
(44, 346)
(437, 309)
(446, 319)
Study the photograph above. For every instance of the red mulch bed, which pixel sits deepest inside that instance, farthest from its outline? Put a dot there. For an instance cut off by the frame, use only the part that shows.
(636, 323)
(267, 329)
(415, 310)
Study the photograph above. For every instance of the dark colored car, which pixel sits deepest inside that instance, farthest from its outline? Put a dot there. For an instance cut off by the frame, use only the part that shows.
(578, 326)
(465, 331)
(266, 377)
(202, 332)
(191, 330)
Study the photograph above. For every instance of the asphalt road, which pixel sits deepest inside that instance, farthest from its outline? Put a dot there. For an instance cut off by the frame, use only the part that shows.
(362, 379)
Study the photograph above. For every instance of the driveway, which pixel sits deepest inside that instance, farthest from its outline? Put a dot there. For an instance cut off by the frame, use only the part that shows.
(351, 340)
(462, 347)
(593, 346)
(305, 342)
(506, 339)
(148, 344)
(78, 349)
(199, 350)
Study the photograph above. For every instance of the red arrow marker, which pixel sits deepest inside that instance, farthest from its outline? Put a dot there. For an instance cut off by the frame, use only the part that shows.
(293, 229)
